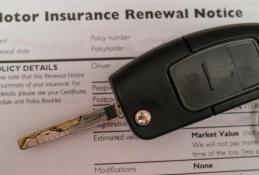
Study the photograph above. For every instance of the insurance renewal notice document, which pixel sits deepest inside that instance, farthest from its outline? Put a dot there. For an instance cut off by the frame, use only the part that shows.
(55, 58)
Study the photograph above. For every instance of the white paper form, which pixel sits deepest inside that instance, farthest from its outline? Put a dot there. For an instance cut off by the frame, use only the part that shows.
(55, 61)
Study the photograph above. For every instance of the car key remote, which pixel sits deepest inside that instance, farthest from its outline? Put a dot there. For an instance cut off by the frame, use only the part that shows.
(176, 84)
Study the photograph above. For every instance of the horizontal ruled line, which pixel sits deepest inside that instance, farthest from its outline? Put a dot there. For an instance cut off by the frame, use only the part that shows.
(66, 60)
(228, 126)
(212, 172)
(97, 132)
(100, 81)
(102, 93)
(101, 104)
(205, 127)
(176, 160)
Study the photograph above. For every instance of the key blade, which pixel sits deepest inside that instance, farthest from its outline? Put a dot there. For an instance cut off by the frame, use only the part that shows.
(77, 124)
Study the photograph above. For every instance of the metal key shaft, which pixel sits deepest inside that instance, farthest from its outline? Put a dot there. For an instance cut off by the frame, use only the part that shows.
(77, 124)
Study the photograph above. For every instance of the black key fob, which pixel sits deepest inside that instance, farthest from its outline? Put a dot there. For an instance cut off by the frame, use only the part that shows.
(189, 79)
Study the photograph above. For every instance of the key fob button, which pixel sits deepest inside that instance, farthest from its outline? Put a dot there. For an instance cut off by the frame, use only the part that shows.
(217, 80)
(246, 60)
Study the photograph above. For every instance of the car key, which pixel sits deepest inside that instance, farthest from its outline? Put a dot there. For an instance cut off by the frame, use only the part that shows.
(176, 84)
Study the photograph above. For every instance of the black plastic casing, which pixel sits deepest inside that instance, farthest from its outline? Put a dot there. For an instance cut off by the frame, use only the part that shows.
(145, 82)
